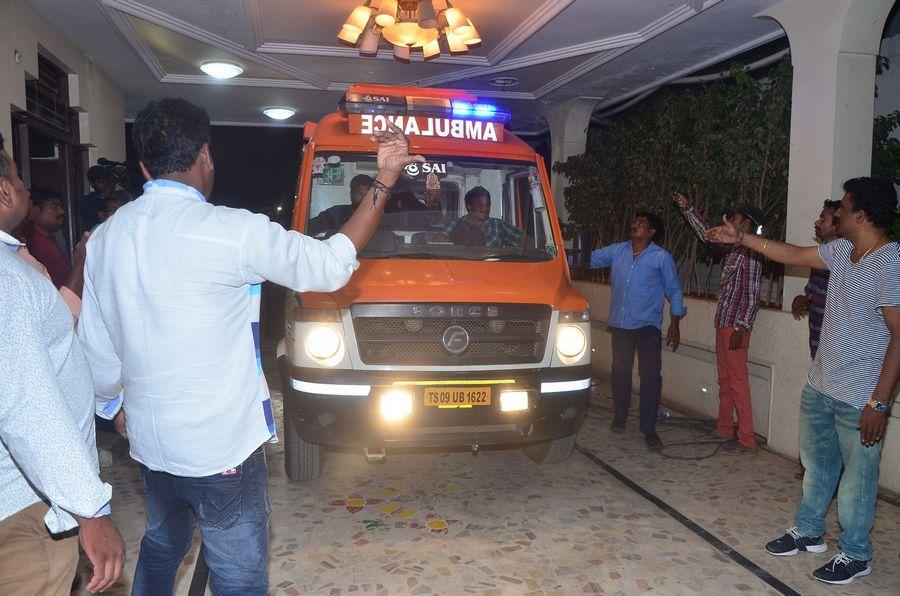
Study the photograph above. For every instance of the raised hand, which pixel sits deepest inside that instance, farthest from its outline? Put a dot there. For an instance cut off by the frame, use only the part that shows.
(681, 201)
(724, 234)
(393, 151)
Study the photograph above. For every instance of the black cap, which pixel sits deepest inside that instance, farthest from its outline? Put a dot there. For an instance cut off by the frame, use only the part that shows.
(749, 211)
(95, 173)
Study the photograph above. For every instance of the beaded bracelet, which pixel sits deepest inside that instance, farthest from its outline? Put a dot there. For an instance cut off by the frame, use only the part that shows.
(376, 188)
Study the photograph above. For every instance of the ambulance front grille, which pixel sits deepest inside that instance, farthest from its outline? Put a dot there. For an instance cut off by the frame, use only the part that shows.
(515, 334)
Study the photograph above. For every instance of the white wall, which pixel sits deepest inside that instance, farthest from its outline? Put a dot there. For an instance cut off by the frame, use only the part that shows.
(92, 93)
(779, 361)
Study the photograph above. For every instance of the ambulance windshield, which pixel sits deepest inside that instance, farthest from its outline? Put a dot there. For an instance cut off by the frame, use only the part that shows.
(445, 208)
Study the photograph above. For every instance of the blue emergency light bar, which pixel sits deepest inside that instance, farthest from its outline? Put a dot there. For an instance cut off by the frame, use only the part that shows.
(481, 111)
(357, 103)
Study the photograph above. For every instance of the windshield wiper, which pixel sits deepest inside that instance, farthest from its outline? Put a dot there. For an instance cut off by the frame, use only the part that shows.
(515, 257)
(413, 255)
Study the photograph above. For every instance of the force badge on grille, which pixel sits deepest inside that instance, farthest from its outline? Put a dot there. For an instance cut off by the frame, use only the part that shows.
(456, 339)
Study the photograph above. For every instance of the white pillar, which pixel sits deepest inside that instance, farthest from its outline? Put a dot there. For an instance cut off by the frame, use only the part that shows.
(568, 136)
(833, 48)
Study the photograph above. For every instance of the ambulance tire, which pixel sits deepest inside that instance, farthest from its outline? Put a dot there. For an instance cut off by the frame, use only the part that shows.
(552, 452)
(302, 460)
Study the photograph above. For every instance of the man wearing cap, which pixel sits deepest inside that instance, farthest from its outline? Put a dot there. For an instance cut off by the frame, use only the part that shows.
(736, 308)
(91, 204)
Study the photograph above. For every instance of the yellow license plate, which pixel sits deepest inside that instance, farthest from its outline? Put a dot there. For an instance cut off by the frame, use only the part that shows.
(457, 397)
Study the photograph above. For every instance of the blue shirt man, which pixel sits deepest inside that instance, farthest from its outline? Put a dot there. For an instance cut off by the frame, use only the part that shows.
(643, 277)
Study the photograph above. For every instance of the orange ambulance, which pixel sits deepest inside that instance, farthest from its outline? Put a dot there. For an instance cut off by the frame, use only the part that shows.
(461, 327)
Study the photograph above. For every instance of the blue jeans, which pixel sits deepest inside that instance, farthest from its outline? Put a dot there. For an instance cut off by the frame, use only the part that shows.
(233, 511)
(647, 341)
(829, 439)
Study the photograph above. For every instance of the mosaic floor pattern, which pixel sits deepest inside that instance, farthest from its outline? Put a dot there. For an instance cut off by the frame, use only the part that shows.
(496, 524)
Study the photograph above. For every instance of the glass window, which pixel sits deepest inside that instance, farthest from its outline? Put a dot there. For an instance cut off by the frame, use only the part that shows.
(445, 208)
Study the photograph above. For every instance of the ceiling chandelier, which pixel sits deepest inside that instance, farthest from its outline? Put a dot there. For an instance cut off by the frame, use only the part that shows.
(409, 25)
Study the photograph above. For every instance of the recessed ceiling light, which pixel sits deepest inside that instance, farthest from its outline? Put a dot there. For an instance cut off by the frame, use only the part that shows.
(504, 82)
(279, 113)
(221, 70)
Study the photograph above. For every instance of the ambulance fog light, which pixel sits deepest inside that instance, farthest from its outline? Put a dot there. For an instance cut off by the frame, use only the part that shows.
(570, 343)
(513, 401)
(395, 405)
(324, 344)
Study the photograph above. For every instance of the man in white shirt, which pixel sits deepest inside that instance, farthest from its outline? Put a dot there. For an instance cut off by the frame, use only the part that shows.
(48, 455)
(171, 319)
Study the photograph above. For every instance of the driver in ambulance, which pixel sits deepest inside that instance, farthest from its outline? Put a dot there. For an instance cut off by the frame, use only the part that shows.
(478, 228)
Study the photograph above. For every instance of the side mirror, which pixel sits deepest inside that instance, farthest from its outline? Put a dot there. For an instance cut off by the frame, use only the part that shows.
(582, 243)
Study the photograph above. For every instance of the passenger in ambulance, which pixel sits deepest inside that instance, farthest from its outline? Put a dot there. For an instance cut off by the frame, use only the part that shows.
(406, 211)
(478, 228)
(434, 209)
(334, 218)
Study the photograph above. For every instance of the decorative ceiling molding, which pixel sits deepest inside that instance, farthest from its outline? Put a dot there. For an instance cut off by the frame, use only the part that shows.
(696, 5)
(718, 58)
(657, 27)
(151, 15)
(582, 69)
(625, 41)
(344, 52)
(255, 49)
(496, 93)
(534, 23)
(583, 49)
(292, 84)
(236, 82)
(131, 35)
(251, 34)
(592, 47)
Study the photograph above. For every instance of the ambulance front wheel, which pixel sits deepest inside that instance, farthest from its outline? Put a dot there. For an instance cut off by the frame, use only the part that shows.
(552, 452)
(302, 460)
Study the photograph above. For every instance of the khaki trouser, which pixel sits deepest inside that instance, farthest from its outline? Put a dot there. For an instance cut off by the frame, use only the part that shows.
(32, 561)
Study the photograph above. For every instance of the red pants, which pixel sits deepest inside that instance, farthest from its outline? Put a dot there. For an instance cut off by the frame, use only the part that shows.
(734, 389)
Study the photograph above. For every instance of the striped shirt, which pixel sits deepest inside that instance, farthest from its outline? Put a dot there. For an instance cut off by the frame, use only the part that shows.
(817, 289)
(854, 336)
(739, 285)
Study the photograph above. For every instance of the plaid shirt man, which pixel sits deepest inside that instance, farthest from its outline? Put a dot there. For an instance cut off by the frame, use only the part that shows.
(497, 233)
(817, 290)
(739, 286)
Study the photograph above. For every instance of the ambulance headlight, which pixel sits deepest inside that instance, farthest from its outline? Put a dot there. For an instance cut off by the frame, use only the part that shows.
(570, 343)
(325, 345)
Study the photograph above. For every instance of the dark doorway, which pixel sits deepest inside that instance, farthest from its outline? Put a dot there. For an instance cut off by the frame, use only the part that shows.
(46, 143)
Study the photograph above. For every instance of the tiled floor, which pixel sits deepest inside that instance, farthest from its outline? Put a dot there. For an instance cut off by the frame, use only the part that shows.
(451, 523)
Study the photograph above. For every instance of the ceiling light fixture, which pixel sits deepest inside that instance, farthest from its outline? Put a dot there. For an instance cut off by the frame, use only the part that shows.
(279, 113)
(409, 24)
(221, 70)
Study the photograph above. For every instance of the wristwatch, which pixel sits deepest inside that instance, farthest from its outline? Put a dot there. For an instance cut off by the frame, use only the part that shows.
(876, 405)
